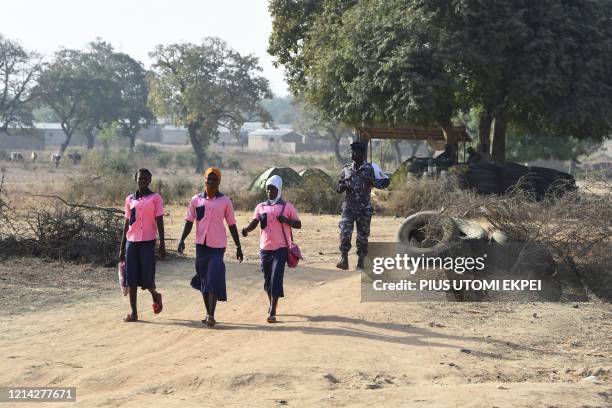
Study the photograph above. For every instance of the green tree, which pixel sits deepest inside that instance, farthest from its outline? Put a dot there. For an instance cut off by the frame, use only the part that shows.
(205, 86)
(88, 90)
(545, 66)
(125, 96)
(367, 62)
(65, 86)
(19, 70)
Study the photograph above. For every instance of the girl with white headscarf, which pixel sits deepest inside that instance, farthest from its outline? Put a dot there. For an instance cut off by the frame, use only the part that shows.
(276, 217)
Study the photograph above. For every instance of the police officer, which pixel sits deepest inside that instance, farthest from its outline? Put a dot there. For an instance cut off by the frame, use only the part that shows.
(356, 179)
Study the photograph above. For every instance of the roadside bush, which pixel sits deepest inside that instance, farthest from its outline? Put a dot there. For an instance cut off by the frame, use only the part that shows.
(178, 191)
(146, 150)
(315, 196)
(4, 156)
(164, 159)
(185, 158)
(110, 188)
(430, 195)
(233, 163)
(214, 160)
(244, 200)
(112, 162)
(68, 233)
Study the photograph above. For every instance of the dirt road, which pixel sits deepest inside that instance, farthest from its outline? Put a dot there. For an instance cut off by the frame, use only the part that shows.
(329, 349)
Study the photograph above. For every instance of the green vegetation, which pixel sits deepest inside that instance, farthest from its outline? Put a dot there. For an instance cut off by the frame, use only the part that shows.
(204, 86)
(544, 66)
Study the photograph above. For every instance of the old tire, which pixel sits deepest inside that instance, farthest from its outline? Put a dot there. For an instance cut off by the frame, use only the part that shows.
(414, 223)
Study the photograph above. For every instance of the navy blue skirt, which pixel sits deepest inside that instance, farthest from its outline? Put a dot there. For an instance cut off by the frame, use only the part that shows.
(273, 267)
(210, 271)
(140, 264)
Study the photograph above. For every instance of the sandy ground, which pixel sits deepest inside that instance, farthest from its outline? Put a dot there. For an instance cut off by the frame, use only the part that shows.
(61, 325)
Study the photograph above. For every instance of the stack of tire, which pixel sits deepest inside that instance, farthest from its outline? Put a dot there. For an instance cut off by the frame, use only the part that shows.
(492, 178)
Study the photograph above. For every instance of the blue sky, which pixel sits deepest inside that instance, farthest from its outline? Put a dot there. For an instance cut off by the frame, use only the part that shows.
(136, 26)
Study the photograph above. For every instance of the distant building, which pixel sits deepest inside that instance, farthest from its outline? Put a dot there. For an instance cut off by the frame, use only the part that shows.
(173, 135)
(21, 140)
(55, 136)
(276, 140)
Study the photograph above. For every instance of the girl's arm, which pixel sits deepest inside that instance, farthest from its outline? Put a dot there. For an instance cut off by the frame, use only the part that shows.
(162, 241)
(297, 224)
(186, 231)
(293, 223)
(234, 232)
(250, 227)
(126, 226)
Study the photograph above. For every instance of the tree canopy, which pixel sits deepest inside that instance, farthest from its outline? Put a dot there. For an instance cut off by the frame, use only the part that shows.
(203, 86)
(19, 70)
(544, 66)
(90, 89)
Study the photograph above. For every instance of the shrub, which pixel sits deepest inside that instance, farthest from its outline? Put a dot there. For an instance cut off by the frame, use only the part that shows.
(233, 163)
(244, 200)
(422, 195)
(146, 150)
(185, 158)
(315, 196)
(173, 192)
(214, 160)
(107, 189)
(112, 163)
(164, 159)
(4, 155)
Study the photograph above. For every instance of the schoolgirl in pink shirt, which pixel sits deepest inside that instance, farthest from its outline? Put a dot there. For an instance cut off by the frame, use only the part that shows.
(144, 220)
(276, 218)
(208, 210)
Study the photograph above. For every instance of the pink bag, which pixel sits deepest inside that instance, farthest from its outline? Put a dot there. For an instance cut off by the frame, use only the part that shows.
(121, 275)
(293, 251)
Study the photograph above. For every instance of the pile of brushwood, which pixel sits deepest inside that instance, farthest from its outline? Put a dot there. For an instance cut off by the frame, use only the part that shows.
(53, 228)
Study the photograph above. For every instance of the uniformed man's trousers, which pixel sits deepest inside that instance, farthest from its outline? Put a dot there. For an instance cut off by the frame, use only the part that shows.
(348, 220)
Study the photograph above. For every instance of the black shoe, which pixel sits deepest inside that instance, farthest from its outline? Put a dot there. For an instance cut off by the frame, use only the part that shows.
(343, 264)
(360, 263)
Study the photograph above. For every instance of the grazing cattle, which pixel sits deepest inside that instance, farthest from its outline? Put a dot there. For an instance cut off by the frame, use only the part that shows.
(75, 157)
(33, 157)
(55, 159)
(16, 157)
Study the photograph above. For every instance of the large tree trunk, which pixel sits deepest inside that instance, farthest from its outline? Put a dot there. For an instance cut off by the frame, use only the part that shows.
(90, 139)
(132, 136)
(64, 145)
(68, 133)
(498, 147)
(197, 147)
(484, 130)
(398, 153)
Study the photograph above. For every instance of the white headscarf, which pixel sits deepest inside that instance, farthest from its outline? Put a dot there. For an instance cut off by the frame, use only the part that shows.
(277, 182)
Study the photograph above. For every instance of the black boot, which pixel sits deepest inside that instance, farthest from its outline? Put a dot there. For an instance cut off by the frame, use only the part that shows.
(343, 264)
(360, 262)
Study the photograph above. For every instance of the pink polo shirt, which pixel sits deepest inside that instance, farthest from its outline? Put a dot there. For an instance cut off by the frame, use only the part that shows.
(141, 212)
(271, 237)
(208, 215)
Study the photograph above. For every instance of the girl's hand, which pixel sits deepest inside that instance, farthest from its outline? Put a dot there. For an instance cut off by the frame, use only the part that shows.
(181, 247)
(244, 232)
(283, 219)
(239, 255)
